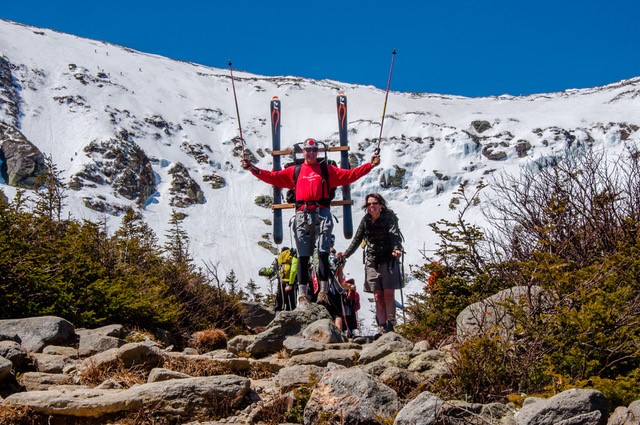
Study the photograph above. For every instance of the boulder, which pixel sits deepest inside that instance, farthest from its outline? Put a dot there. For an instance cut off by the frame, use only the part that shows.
(292, 377)
(295, 345)
(59, 350)
(286, 323)
(386, 344)
(239, 343)
(422, 410)
(492, 314)
(133, 354)
(161, 374)
(255, 314)
(51, 363)
(93, 341)
(432, 363)
(12, 351)
(38, 381)
(350, 396)
(188, 397)
(324, 331)
(574, 404)
(626, 415)
(5, 368)
(323, 358)
(37, 332)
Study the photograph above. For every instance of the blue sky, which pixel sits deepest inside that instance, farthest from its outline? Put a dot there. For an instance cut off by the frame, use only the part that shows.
(463, 47)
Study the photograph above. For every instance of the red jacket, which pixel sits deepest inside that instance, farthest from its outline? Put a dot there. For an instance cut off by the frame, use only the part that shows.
(309, 187)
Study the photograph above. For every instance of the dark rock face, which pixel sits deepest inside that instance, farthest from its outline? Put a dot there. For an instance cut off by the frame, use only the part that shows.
(9, 98)
(184, 190)
(120, 163)
(22, 162)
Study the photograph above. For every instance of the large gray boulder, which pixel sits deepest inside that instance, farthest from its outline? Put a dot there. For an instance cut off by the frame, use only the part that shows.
(37, 332)
(292, 377)
(12, 351)
(255, 314)
(286, 323)
(352, 397)
(626, 415)
(422, 410)
(133, 354)
(570, 405)
(93, 341)
(324, 331)
(346, 358)
(493, 314)
(188, 397)
(383, 346)
(39, 381)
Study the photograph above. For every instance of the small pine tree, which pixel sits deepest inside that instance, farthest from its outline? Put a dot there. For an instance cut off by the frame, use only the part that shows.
(252, 289)
(231, 281)
(177, 245)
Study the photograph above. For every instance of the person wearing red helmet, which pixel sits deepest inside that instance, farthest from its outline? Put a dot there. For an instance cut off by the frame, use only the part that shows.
(313, 222)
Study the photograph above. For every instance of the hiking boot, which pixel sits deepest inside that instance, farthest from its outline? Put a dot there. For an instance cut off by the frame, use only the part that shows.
(303, 299)
(388, 327)
(323, 298)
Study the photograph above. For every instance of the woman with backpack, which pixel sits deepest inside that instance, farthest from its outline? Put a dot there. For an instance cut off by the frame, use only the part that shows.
(380, 230)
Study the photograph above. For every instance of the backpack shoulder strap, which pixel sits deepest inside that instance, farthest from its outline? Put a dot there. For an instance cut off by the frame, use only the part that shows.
(296, 173)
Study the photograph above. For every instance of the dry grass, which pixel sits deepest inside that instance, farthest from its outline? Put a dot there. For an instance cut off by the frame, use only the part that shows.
(94, 375)
(282, 354)
(209, 340)
(19, 416)
(274, 412)
(196, 366)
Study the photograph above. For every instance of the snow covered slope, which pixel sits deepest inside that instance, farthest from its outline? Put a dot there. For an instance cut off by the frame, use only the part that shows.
(76, 98)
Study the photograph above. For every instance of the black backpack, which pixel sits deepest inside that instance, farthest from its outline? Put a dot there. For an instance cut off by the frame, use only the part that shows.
(290, 197)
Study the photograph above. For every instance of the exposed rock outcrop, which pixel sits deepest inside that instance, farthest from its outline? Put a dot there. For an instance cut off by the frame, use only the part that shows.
(120, 163)
(21, 160)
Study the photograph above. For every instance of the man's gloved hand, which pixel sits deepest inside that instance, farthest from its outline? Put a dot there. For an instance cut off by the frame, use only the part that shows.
(245, 163)
(375, 160)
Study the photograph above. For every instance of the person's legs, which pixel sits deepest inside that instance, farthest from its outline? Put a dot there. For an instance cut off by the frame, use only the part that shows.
(303, 278)
(390, 307)
(305, 236)
(390, 282)
(381, 310)
(325, 229)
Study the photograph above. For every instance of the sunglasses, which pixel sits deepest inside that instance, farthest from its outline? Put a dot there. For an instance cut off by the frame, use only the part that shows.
(311, 149)
(373, 203)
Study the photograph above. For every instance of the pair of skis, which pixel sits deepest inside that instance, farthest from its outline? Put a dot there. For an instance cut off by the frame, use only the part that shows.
(278, 206)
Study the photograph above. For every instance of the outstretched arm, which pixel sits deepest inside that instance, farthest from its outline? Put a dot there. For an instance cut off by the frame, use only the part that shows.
(282, 178)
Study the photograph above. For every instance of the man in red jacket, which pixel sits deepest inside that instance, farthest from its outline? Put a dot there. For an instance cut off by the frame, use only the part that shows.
(313, 222)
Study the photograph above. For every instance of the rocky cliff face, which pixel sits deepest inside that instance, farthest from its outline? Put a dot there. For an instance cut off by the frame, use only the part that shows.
(21, 160)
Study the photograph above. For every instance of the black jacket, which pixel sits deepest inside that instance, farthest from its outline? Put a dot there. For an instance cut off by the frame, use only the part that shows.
(382, 237)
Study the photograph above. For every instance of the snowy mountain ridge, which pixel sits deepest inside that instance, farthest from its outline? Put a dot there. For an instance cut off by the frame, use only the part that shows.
(134, 129)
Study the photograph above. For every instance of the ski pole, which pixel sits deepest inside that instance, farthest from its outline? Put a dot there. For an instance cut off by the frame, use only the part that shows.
(404, 319)
(384, 110)
(235, 98)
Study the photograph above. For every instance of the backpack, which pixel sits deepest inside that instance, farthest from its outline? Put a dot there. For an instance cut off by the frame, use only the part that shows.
(290, 197)
(284, 261)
